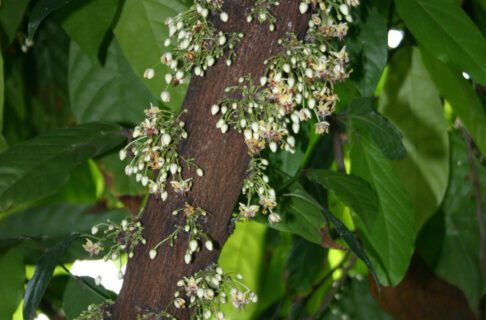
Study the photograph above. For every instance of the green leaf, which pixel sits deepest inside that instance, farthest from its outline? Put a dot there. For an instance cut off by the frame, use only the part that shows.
(390, 241)
(243, 253)
(41, 10)
(54, 221)
(411, 101)
(353, 191)
(300, 218)
(11, 14)
(79, 294)
(366, 119)
(458, 261)
(141, 32)
(12, 278)
(445, 30)
(373, 46)
(44, 268)
(306, 261)
(88, 24)
(41, 166)
(462, 97)
(109, 93)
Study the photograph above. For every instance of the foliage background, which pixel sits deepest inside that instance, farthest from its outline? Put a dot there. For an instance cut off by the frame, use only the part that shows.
(405, 120)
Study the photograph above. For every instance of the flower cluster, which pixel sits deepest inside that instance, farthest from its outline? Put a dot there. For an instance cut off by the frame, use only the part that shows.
(197, 236)
(155, 159)
(252, 112)
(256, 184)
(261, 11)
(97, 312)
(196, 44)
(338, 8)
(125, 237)
(208, 289)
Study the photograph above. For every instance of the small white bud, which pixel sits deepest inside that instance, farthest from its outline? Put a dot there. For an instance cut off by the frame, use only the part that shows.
(94, 230)
(214, 109)
(222, 40)
(344, 9)
(286, 68)
(165, 96)
(166, 139)
(273, 146)
(173, 168)
(224, 17)
(145, 181)
(200, 172)
(210, 61)
(168, 78)
(193, 245)
(164, 195)
(149, 73)
(123, 154)
(187, 258)
(179, 75)
(303, 7)
(263, 81)
(224, 128)
(152, 254)
(209, 245)
(167, 42)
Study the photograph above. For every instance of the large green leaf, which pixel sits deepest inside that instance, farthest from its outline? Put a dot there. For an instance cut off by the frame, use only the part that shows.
(89, 23)
(411, 101)
(444, 29)
(462, 97)
(12, 278)
(141, 32)
(458, 260)
(373, 46)
(390, 240)
(80, 293)
(355, 192)
(383, 132)
(39, 167)
(44, 268)
(306, 261)
(243, 253)
(109, 93)
(300, 218)
(2, 92)
(11, 14)
(41, 10)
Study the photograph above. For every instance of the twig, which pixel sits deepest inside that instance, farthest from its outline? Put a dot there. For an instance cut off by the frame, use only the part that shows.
(85, 283)
(476, 184)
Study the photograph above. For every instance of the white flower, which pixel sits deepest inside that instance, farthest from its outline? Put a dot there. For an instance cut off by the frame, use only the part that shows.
(165, 96)
(303, 7)
(224, 17)
(152, 254)
(149, 73)
(273, 218)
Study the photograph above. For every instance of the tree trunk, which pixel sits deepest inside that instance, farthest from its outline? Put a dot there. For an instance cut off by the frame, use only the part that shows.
(224, 159)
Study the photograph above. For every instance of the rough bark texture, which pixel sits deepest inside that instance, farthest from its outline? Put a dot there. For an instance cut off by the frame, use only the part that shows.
(224, 158)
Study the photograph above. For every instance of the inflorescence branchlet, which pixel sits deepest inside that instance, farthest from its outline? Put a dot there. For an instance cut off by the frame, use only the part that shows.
(261, 12)
(97, 312)
(197, 237)
(196, 44)
(256, 185)
(155, 161)
(124, 238)
(208, 289)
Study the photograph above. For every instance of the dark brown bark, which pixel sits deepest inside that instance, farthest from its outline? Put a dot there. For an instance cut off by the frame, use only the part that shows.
(224, 159)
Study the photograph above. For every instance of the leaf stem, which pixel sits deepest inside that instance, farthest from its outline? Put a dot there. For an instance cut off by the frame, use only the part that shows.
(85, 283)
